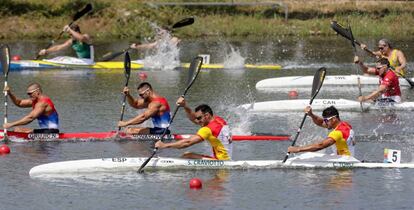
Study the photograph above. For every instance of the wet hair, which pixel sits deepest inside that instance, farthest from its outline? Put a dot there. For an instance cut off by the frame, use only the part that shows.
(144, 84)
(387, 42)
(75, 27)
(330, 111)
(204, 108)
(383, 61)
(35, 85)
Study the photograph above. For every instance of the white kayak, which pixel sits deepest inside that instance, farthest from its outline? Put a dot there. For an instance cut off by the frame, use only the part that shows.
(320, 104)
(306, 81)
(128, 164)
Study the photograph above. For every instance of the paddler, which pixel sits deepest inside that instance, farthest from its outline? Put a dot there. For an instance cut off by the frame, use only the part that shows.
(157, 108)
(342, 135)
(80, 43)
(214, 129)
(389, 86)
(43, 110)
(163, 37)
(396, 57)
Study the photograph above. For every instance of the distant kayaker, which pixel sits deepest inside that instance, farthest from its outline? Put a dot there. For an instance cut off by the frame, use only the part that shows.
(389, 86)
(396, 57)
(157, 108)
(80, 43)
(163, 37)
(43, 110)
(213, 129)
(342, 135)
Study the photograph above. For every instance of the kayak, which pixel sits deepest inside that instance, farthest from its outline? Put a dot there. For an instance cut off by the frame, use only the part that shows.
(47, 64)
(309, 160)
(306, 81)
(18, 136)
(320, 104)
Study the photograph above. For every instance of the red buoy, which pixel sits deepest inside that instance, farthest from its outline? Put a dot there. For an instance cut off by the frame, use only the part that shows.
(4, 149)
(142, 76)
(293, 94)
(16, 58)
(195, 183)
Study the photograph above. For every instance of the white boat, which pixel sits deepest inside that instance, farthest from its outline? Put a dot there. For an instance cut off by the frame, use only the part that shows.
(128, 164)
(320, 104)
(306, 81)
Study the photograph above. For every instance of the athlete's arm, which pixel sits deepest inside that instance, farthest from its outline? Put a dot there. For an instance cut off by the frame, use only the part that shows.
(190, 114)
(153, 109)
(316, 119)
(23, 103)
(402, 61)
(35, 113)
(195, 139)
(56, 48)
(375, 94)
(313, 147)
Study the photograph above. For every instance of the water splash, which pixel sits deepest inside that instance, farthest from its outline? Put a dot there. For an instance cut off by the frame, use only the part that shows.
(165, 55)
(233, 60)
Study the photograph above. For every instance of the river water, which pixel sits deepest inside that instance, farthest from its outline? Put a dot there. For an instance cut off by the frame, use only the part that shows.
(91, 101)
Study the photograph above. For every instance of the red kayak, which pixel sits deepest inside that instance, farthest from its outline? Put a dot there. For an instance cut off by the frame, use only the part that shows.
(113, 135)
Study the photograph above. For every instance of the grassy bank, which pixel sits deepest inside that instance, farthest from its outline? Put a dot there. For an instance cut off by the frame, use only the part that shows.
(129, 19)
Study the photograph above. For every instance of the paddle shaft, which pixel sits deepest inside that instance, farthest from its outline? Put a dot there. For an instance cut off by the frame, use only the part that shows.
(5, 106)
(123, 103)
(127, 67)
(315, 91)
(5, 59)
(190, 82)
(357, 68)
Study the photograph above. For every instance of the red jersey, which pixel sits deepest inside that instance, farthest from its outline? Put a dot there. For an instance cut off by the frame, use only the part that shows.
(390, 80)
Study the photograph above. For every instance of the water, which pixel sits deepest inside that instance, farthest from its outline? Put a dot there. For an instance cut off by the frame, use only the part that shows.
(91, 101)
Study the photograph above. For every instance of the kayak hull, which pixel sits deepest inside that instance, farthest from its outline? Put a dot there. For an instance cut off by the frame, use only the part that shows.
(44, 64)
(320, 104)
(18, 136)
(310, 160)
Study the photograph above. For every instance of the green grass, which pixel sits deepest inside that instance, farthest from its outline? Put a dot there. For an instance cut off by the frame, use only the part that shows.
(129, 19)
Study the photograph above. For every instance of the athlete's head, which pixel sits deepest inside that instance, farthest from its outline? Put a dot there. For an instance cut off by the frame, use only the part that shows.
(203, 114)
(75, 27)
(144, 90)
(382, 65)
(384, 45)
(33, 90)
(330, 116)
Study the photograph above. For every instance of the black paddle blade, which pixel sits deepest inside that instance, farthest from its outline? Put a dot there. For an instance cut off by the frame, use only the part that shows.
(127, 65)
(318, 79)
(5, 59)
(193, 71)
(111, 56)
(341, 30)
(351, 36)
(81, 13)
(183, 22)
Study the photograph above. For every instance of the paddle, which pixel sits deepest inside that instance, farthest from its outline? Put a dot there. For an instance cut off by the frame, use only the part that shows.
(347, 34)
(316, 86)
(78, 15)
(184, 22)
(357, 69)
(127, 67)
(5, 64)
(195, 66)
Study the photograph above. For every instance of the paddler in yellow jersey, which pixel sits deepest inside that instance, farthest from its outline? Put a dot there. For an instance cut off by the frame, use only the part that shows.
(214, 129)
(341, 136)
(396, 57)
(80, 43)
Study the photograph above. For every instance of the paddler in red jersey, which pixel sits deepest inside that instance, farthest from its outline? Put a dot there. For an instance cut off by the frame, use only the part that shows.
(157, 108)
(43, 110)
(213, 129)
(389, 86)
(341, 136)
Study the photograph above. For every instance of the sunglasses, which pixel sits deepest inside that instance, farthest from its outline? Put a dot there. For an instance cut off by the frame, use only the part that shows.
(29, 93)
(198, 118)
(326, 120)
(143, 92)
(379, 67)
(382, 47)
